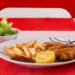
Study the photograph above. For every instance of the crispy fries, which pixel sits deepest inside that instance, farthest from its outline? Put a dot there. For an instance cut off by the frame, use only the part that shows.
(40, 46)
(10, 52)
(31, 43)
(25, 50)
(19, 52)
(32, 51)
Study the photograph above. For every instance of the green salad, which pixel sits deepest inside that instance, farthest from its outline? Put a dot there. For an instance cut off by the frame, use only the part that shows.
(6, 28)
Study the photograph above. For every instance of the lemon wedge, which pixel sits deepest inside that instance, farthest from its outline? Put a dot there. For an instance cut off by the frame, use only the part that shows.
(45, 57)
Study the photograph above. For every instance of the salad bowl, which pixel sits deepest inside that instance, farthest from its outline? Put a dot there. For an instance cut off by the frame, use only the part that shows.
(6, 30)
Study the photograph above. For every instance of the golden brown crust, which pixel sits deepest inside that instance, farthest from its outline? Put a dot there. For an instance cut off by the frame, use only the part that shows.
(27, 51)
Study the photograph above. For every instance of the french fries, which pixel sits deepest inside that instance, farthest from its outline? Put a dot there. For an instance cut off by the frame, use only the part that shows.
(18, 45)
(40, 46)
(10, 52)
(19, 52)
(14, 52)
(31, 43)
(32, 51)
(25, 50)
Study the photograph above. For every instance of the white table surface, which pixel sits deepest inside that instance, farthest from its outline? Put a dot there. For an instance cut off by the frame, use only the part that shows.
(57, 34)
(35, 13)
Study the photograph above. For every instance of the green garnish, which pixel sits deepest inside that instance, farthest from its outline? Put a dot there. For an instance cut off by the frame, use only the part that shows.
(6, 28)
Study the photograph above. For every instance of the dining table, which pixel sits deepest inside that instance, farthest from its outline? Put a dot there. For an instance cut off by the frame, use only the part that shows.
(39, 24)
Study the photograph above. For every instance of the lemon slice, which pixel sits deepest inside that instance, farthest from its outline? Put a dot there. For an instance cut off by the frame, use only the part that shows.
(45, 57)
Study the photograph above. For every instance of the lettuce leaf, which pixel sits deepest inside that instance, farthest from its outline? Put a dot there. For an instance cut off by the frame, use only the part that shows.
(6, 28)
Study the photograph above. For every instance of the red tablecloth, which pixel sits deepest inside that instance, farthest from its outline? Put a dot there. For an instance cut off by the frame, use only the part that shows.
(7, 68)
(43, 24)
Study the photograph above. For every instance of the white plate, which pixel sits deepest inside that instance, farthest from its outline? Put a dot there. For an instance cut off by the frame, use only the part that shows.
(8, 43)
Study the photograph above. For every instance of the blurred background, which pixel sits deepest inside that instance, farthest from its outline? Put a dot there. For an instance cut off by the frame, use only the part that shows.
(67, 4)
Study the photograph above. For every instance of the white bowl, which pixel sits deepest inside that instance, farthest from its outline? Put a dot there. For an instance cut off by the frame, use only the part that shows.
(34, 65)
(9, 37)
